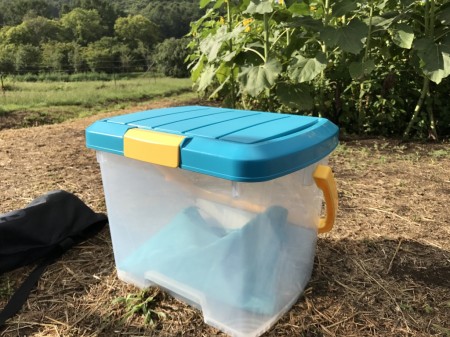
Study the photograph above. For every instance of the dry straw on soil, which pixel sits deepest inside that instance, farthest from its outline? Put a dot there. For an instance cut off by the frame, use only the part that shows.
(384, 270)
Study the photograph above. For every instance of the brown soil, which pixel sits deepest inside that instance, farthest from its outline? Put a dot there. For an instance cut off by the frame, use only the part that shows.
(384, 270)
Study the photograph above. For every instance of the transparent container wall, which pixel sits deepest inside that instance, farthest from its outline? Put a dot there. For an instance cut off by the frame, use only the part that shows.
(241, 252)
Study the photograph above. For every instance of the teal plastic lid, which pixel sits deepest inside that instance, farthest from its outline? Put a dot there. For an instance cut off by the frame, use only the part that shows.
(232, 144)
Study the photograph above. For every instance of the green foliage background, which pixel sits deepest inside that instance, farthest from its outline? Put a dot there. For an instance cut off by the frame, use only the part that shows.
(373, 67)
(90, 35)
(377, 67)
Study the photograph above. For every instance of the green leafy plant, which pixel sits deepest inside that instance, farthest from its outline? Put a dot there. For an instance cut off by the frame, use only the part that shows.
(141, 304)
(359, 63)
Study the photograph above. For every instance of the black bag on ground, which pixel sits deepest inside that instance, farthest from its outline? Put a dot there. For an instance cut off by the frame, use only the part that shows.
(40, 233)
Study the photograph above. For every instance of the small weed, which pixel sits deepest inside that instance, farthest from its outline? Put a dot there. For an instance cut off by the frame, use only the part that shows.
(141, 304)
(412, 157)
(382, 159)
(428, 309)
(406, 307)
(399, 149)
(440, 153)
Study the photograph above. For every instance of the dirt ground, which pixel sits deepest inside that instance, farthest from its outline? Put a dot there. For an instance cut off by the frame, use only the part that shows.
(384, 270)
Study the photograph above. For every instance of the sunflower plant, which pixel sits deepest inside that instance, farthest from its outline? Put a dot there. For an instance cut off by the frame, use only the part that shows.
(370, 66)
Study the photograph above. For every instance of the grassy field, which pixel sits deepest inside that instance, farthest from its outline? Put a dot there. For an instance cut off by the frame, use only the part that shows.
(35, 103)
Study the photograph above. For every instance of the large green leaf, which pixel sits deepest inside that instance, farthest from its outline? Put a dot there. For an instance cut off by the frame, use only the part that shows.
(256, 79)
(206, 78)
(402, 35)
(295, 96)
(223, 72)
(348, 38)
(220, 87)
(435, 58)
(380, 23)
(306, 22)
(197, 69)
(306, 69)
(204, 3)
(218, 4)
(299, 9)
(211, 44)
(360, 69)
(226, 71)
(343, 7)
(259, 7)
(229, 56)
(197, 24)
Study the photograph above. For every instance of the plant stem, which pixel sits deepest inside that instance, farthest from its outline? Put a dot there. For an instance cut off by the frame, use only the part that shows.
(326, 21)
(429, 32)
(431, 21)
(369, 34)
(256, 52)
(361, 112)
(429, 105)
(266, 54)
(423, 94)
(233, 82)
(433, 131)
(326, 13)
(266, 38)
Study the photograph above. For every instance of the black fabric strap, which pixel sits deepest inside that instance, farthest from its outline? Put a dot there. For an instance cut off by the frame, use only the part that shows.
(20, 296)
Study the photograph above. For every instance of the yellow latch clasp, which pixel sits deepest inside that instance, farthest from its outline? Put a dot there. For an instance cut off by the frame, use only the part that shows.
(153, 147)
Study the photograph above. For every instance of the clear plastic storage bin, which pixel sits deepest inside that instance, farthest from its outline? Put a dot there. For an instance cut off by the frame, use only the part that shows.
(219, 207)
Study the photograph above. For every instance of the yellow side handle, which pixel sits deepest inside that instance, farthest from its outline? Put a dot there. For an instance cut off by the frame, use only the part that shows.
(323, 176)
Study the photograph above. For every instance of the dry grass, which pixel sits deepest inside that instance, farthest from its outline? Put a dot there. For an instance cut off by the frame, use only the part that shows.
(384, 270)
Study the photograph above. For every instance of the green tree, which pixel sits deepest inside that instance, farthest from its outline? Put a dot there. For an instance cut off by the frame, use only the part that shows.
(76, 58)
(102, 55)
(13, 13)
(27, 58)
(55, 56)
(7, 58)
(83, 26)
(134, 29)
(172, 17)
(107, 10)
(126, 57)
(170, 57)
(144, 56)
(34, 31)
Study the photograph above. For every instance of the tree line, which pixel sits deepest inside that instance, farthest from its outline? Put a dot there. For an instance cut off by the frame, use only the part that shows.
(94, 35)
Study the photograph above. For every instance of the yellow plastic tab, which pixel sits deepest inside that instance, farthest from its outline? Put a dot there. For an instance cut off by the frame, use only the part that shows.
(152, 147)
(323, 176)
